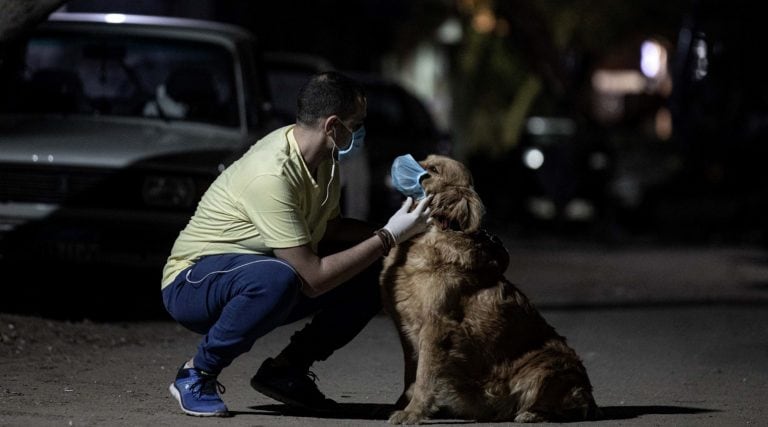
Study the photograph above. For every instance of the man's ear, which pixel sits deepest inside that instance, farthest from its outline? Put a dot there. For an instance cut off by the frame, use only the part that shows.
(329, 123)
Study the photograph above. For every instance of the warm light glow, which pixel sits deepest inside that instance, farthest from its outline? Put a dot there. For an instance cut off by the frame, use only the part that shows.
(663, 124)
(618, 81)
(484, 21)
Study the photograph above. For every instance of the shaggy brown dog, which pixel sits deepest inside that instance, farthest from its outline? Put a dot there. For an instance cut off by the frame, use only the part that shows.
(473, 343)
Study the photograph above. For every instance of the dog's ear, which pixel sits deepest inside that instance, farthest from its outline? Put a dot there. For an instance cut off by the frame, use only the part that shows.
(458, 208)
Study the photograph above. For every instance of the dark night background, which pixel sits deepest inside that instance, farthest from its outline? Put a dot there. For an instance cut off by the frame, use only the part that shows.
(677, 158)
(703, 181)
(618, 146)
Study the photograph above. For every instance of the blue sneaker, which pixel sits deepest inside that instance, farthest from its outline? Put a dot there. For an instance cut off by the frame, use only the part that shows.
(198, 393)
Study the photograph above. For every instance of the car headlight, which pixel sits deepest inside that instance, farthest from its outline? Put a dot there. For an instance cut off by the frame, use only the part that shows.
(533, 158)
(166, 191)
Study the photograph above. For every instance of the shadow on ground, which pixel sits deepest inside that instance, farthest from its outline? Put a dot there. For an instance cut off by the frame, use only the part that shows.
(350, 411)
(377, 411)
(628, 412)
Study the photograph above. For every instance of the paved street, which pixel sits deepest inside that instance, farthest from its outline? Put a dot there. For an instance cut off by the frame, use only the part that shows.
(671, 336)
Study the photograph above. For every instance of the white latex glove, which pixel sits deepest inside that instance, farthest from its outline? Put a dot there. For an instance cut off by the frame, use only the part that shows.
(404, 224)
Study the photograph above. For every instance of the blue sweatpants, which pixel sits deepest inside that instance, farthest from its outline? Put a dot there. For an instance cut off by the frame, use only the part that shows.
(234, 299)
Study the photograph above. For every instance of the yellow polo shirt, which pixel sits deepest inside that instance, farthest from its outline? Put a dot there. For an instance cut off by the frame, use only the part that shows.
(265, 200)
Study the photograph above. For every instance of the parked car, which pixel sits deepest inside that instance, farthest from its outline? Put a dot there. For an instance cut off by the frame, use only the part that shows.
(564, 170)
(111, 128)
(397, 123)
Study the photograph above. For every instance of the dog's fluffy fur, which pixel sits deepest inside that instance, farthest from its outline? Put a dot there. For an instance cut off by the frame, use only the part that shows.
(473, 343)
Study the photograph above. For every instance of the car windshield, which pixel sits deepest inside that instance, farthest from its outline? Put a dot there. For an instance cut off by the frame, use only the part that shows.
(123, 76)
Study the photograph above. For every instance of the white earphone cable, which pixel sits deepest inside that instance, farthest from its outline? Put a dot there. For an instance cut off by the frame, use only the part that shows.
(195, 282)
(333, 171)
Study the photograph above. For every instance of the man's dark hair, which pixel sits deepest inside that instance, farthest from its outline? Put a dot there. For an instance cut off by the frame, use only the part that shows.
(326, 94)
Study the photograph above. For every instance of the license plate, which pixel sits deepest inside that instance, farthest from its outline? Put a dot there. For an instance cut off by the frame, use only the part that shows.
(69, 245)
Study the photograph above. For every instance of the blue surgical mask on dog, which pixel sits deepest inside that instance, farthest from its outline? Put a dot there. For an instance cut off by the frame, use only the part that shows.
(406, 176)
(358, 137)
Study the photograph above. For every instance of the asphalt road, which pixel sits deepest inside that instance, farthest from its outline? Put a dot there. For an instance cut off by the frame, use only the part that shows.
(671, 336)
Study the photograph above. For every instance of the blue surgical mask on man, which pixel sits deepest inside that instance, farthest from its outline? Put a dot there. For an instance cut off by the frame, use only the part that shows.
(358, 137)
(406, 176)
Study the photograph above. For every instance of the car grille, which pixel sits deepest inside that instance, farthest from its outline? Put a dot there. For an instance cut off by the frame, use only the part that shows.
(47, 186)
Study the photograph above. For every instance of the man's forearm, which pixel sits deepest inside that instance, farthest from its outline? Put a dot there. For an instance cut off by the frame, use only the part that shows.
(321, 274)
(342, 266)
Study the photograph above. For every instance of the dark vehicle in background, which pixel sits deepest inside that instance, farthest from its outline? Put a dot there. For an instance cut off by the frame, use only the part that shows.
(556, 178)
(397, 123)
(563, 172)
(111, 128)
(719, 106)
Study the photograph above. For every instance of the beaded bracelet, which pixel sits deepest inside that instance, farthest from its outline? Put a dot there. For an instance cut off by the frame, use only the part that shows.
(387, 239)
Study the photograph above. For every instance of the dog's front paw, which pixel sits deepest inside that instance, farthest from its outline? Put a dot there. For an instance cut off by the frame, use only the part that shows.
(529, 417)
(406, 417)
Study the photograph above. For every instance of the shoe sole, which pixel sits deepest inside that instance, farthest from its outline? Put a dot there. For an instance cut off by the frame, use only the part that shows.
(175, 392)
(284, 399)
